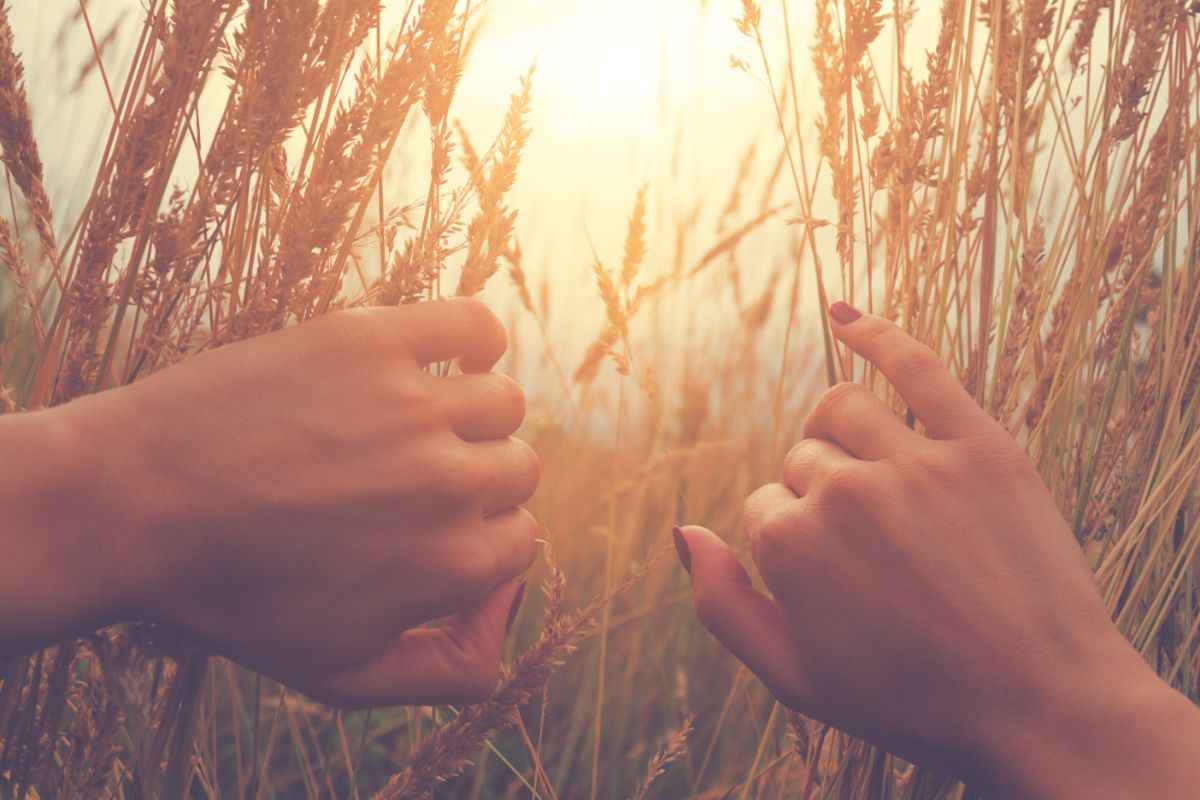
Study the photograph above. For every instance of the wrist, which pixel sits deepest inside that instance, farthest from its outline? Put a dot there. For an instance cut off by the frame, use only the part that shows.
(101, 499)
(1117, 731)
(116, 486)
(67, 567)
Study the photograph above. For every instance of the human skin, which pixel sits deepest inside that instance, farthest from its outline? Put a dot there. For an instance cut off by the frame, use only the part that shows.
(303, 502)
(927, 595)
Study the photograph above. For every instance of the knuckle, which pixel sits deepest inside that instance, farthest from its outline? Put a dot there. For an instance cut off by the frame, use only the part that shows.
(915, 359)
(474, 309)
(842, 486)
(835, 400)
(775, 532)
(786, 538)
(752, 519)
(801, 457)
(483, 320)
(794, 464)
(529, 467)
(511, 396)
(768, 513)
(879, 330)
(525, 541)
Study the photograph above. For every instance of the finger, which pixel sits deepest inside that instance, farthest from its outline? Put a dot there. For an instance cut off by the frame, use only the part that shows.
(851, 416)
(462, 328)
(932, 393)
(748, 623)
(765, 503)
(458, 663)
(474, 557)
(809, 460)
(483, 407)
(501, 474)
(508, 541)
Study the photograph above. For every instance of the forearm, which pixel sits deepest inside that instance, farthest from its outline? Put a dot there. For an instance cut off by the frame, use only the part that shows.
(1129, 736)
(66, 565)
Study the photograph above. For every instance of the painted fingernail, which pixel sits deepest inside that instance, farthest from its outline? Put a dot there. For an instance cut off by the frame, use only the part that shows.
(844, 313)
(518, 598)
(681, 547)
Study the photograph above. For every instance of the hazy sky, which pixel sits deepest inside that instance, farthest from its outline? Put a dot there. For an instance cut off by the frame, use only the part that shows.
(621, 87)
(614, 78)
(626, 92)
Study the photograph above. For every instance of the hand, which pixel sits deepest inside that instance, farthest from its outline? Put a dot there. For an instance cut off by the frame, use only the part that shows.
(927, 594)
(307, 500)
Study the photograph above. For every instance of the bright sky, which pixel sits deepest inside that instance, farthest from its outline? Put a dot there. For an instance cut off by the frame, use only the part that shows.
(626, 92)
(614, 79)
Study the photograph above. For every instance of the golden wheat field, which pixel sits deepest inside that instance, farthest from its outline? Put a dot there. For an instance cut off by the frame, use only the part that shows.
(660, 199)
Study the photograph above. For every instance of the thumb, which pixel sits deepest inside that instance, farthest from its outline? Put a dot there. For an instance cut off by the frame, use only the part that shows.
(749, 624)
(456, 663)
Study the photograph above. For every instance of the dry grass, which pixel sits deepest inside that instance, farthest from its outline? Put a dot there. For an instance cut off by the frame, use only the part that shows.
(1023, 197)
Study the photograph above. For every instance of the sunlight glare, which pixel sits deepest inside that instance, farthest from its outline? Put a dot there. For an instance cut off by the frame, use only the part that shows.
(601, 67)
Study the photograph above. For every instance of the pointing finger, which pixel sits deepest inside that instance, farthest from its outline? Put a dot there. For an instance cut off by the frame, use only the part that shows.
(933, 394)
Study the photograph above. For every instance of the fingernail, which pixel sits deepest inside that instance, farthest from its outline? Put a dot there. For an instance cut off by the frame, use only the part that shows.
(844, 313)
(681, 547)
(518, 598)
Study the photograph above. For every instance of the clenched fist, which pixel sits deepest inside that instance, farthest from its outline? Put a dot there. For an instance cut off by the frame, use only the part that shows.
(305, 502)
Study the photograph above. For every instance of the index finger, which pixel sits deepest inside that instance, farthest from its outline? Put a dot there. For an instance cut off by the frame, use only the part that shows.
(462, 328)
(932, 393)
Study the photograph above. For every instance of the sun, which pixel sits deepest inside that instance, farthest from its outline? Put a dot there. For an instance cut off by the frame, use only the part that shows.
(600, 74)
(627, 74)
(603, 68)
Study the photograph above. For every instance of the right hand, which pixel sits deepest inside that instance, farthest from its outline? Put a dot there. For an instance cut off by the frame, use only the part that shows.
(307, 500)
(927, 595)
